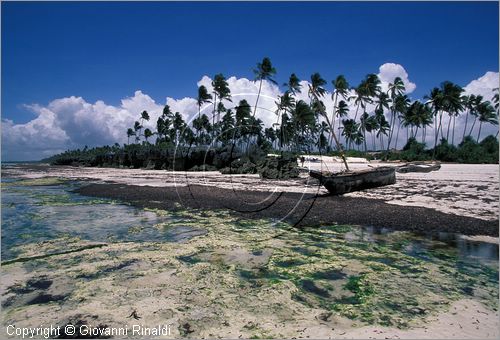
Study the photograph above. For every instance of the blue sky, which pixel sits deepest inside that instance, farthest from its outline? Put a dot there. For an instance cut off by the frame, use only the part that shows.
(106, 51)
(78, 73)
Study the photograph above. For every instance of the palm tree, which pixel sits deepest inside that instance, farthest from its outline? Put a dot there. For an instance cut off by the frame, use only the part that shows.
(137, 129)
(178, 125)
(264, 70)
(496, 104)
(395, 90)
(474, 111)
(367, 89)
(221, 89)
(469, 106)
(418, 115)
(487, 114)
(364, 117)
(425, 120)
(322, 141)
(342, 111)
(138, 126)
(316, 89)
(270, 135)
(382, 125)
(163, 124)
(220, 109)
(227, 128)
(436, 101)
(203, 97)
(451, 101)
(371, 125)
(243, 114)
(351, 129)
(285, 103)
(147, 134)
(130, 133)
(382, 103)
(303, 120)
(144, 116)
(293, 84)
(341, 87)
(286, 130)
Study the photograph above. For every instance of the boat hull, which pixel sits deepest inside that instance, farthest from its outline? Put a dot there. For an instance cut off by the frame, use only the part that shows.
(342, 183)
(416, 167)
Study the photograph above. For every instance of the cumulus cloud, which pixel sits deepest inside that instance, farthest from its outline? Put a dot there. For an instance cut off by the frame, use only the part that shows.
(483, 85)
(72, 122)
(389, 71)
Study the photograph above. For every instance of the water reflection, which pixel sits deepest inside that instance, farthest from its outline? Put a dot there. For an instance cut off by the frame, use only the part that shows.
(38, 213)
(462, 246)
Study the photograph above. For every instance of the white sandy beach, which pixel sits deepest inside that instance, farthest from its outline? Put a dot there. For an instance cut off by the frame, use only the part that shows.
(470, 190)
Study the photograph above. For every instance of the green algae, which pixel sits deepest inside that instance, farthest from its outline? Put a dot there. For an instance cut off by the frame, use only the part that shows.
(331, 268)
(44, 181)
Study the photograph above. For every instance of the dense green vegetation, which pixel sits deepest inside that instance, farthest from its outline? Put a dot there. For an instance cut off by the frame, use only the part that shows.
(233, 133)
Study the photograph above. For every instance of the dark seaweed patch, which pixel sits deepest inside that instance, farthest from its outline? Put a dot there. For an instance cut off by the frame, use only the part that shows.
(331, 274)
(190, 259)
(311, 287)
(46, 298)
(290, 263)
(107, 270)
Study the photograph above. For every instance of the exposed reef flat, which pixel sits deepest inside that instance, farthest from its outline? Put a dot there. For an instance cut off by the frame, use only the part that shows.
(256, 279)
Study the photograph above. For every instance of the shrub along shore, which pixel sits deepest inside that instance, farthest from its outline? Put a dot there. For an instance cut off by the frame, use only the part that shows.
(227, 159)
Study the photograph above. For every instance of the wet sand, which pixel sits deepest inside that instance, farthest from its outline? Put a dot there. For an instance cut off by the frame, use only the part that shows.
(459, 198)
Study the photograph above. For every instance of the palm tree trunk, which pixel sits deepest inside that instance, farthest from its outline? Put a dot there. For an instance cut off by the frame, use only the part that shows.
(435, 129)
(356, 114)
(439, 128)
(473, 123)
(213, 113)
(453, 131)
(257, 101)
(364, 138)
(391, 131)
(333, 117)
(448, 131)
(465, 127)
(479, 132)
(340, 134)
(397, 135)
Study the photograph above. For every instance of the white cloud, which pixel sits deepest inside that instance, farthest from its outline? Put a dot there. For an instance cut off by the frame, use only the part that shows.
(484, 85)
(389, 71)
(72, 122)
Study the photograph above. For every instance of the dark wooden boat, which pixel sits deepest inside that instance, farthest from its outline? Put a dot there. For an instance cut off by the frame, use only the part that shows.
(418, 167)
(343, 182)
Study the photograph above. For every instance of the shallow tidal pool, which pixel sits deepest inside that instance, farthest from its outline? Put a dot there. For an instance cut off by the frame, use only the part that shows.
(69, 258)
